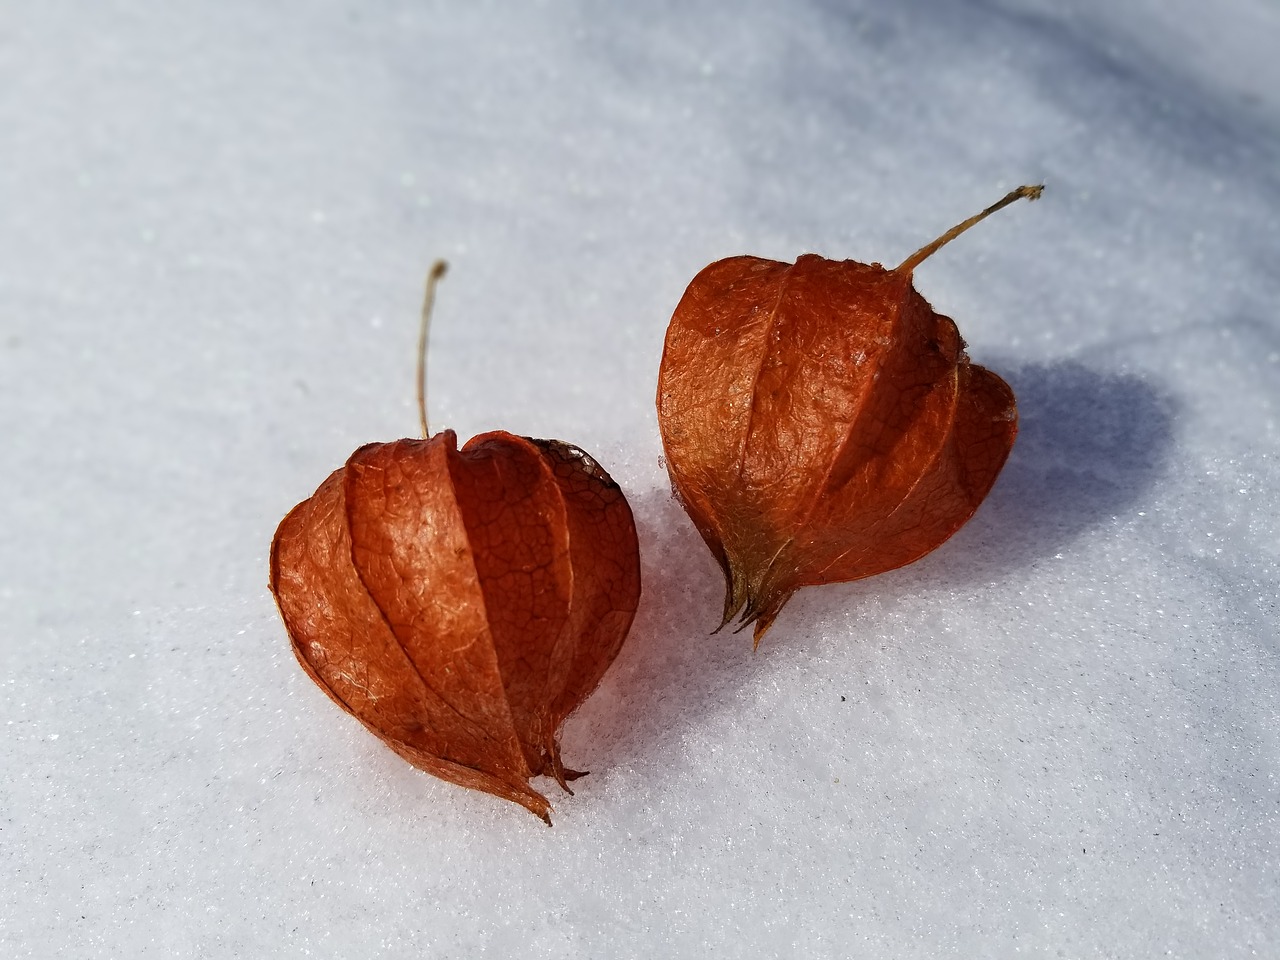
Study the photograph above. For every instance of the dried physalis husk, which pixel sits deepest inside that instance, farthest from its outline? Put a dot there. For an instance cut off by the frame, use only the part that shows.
(462, 603)
(822, 423)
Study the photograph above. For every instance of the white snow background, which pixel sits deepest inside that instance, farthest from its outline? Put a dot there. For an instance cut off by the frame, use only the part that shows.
(1056, 736)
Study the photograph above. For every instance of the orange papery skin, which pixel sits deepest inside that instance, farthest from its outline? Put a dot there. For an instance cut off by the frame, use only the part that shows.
(462, 603)
(821, 423)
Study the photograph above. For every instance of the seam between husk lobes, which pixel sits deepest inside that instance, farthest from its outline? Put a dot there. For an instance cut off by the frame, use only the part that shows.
(488, 469)
(402, 452)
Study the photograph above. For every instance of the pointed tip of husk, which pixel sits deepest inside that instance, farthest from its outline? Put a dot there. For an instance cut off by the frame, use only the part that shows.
(735, 595)
(760, 612)
(730, 611)
(536, 804)
(762, 625)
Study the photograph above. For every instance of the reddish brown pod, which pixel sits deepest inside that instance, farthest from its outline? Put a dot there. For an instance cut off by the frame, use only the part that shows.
(461, 603)
(822, 423)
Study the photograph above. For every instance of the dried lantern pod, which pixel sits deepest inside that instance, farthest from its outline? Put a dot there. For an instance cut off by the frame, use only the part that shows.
(461, 603)
(821, 423)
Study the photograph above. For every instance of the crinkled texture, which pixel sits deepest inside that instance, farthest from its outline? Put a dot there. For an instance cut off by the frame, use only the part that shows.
(822, 423)
(461, 604)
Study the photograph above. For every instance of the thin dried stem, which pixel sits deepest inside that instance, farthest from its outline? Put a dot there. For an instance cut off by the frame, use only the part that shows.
(428, 300)
(929, 249)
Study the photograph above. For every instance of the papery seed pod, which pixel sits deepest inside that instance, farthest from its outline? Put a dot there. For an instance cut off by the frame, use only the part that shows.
(462, 603)
(821, 423)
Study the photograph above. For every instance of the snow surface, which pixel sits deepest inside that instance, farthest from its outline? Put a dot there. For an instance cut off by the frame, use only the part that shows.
(1058, 735)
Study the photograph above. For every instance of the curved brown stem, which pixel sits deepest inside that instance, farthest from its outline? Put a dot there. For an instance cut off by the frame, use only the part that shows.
(428, 300)
(929, 249)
